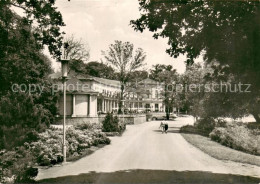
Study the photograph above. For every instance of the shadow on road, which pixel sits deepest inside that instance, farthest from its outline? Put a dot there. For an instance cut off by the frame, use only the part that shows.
(169, 131)
(154, 176)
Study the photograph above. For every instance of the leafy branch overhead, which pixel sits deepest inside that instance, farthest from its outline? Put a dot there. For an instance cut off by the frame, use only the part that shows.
(42, 15)
(223, 32)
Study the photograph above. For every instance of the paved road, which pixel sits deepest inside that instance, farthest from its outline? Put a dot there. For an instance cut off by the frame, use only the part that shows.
(143, 146)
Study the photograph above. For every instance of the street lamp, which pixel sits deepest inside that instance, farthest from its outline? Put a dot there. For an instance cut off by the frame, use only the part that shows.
(64, 70)
(123, 107)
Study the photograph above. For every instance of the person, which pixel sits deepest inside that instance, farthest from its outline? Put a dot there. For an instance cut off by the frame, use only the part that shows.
(161, 127)
(165, 127)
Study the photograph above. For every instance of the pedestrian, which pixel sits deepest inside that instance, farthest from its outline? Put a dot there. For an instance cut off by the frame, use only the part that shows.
(161, 127)
(165, 127)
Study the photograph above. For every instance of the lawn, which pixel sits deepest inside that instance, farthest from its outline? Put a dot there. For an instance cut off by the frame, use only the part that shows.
(219, 151)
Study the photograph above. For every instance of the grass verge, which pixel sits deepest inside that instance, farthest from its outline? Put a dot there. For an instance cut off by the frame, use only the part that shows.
(220, 152)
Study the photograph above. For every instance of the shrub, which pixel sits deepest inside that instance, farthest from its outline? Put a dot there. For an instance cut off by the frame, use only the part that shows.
(17, 165)
(253, 126)
(220, 123)
(89, 126)
(205, 126)
(111, 124)
(46, 151)
(237, 136)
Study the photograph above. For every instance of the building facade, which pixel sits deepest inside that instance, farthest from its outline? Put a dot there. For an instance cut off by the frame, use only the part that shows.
(89, 96)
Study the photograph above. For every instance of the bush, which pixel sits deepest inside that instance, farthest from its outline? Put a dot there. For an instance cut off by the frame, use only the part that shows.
(253, 126)
(205, 126)
(111, 124)
(17, 165)
(237, 136)
(89, 126)
(22, 115)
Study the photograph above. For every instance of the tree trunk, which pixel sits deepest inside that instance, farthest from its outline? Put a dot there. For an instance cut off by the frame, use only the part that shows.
(121, 98)
(256, 116)
(167, 113)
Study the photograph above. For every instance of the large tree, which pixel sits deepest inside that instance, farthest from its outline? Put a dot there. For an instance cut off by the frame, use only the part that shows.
(168, 78)
(125, 60)
(193, 90)
(226, 32)
(22, 62)
(43, 15)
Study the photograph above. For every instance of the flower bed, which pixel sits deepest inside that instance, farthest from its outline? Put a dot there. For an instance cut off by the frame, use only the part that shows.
(47, 151)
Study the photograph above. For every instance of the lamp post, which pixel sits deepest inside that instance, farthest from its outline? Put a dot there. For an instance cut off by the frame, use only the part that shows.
(64, 70)
(123, 107)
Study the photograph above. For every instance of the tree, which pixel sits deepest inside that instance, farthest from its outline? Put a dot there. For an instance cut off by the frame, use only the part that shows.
(22, 63)
(42, 14)
(224, 32)
(122, 57)
(138, 75)
(98, 69)
(76, 49)
(193, 90)
(168, 77)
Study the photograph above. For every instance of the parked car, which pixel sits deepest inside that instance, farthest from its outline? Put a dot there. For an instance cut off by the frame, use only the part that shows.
(162, 116)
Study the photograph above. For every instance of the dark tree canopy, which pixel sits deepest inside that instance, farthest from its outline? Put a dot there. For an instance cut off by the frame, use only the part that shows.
(43, 15)
(22, 63)
(98, 69)
(226, 32)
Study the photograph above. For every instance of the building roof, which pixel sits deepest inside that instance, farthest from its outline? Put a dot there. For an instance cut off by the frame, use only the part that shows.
(148, 81)
(82, 77)
(106, 81)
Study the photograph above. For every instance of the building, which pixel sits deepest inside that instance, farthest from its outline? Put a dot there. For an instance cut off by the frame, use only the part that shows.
(89, 96)
(145, 96)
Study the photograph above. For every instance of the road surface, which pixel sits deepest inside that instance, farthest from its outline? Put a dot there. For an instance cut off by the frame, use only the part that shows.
(143, 146)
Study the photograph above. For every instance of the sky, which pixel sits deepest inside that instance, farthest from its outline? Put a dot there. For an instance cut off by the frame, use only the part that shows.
(100, 22)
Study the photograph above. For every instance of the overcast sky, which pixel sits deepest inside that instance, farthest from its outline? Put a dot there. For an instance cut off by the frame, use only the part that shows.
(100, 22)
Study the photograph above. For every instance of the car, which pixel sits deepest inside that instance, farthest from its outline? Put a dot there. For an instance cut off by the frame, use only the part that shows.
(162, 116)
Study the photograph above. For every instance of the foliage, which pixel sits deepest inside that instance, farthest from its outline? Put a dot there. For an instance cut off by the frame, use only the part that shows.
(190, 26)
(89, 126)
(168, 77)
(23, 64)
(124, 60)
(138, 75)
(99, 69)
(19, 163)
(111, 124)
(22, 114)
(76, 49)
(193, 98)
(237, 136)
(205, 125)
(93, 68)
(43, 14)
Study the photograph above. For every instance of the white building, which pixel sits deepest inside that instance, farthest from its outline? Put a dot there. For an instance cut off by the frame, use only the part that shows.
(88, 96)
